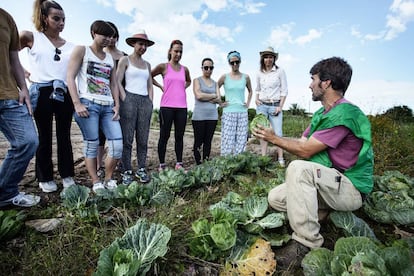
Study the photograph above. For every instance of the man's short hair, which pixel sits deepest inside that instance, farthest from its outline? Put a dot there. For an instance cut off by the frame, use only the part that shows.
(335, 69)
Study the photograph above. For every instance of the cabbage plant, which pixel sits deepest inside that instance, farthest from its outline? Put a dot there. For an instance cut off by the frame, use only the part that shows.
(134, 253)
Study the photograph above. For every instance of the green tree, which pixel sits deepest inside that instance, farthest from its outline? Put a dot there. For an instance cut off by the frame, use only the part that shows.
(295, 109)
(400, 114)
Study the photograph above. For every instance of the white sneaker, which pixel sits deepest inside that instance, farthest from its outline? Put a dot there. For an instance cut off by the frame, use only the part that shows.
(48, 187)
(281, 163)
(21, 200)
(67, 182)
(110, 184)
(97, 186)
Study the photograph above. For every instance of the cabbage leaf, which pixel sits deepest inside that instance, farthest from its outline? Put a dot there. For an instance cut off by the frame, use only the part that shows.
(135, 251)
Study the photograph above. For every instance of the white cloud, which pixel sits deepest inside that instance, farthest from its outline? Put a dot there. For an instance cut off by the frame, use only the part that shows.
(378, 36)
(387, 94)
(402, 13)
(216, 5)
(281, 35)
(312, 35)
(355, 32)
(252, 7)
(105, 3)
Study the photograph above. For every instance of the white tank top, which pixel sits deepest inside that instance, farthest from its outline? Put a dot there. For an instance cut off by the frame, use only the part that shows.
(43, 67)
(136, 79)
(94, 76)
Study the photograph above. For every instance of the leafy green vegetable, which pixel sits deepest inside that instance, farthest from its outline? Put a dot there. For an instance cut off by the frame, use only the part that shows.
(11, 222)
(360, 256)
(317, 262)
(255, 206)
(352, 225)
(75, 197)
(223, 235)
(392, 200)
(233, 216)
(273, 220)
(134, 253)
(259, 119)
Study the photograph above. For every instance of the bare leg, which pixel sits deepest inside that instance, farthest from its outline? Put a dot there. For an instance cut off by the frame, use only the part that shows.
(91, 167)
(101, 152)
(110, 165)
(279, 153)
(263, 147)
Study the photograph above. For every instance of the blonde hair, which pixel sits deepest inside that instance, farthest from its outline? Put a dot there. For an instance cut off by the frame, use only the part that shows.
(41, 11)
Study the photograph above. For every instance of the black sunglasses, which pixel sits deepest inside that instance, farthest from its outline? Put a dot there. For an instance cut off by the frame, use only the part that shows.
(57, 53)
(236, 62)
(206, 68)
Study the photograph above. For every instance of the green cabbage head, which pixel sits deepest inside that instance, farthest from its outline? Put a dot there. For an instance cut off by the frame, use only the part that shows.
(259, 119)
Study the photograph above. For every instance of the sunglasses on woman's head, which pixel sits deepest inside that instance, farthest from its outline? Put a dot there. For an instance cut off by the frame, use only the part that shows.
(236, 62)
(57, 53)
(206, 68)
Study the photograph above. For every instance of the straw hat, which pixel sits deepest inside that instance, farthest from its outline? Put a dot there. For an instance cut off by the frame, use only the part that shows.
(140, 35)
(269, 51)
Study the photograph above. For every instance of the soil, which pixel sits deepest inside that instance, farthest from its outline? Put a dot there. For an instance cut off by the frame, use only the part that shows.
(29, 183)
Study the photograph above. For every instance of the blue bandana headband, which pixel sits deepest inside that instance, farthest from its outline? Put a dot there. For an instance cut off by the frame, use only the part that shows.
(233, 54)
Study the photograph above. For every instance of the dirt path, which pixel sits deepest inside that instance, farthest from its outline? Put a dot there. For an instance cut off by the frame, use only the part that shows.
(29, 183)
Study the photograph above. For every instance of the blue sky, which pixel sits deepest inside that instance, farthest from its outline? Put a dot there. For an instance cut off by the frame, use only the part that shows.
(375, 36)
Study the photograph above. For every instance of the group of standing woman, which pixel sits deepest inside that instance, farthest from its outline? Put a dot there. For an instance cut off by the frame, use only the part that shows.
(110, 95)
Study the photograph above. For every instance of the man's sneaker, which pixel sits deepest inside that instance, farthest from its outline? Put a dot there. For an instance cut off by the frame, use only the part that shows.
(48, 187)
(127, 178)
(101, 172)
(110, 184)
(291, 255)
(97, 186)
(281, 162)
(67, 182)
(142, 175)
(21, 200)
(162, 167)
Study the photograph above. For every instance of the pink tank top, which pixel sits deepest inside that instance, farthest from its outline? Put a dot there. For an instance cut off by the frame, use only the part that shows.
(174, 88)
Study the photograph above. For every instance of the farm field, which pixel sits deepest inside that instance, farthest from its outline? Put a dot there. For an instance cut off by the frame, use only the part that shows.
(74, 247)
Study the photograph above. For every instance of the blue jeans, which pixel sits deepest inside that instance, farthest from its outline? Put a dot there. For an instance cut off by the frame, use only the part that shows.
(99, 116)
(17, 126)
(275, 120)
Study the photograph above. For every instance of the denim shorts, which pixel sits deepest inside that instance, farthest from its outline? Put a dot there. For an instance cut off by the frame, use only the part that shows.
(275, 120)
